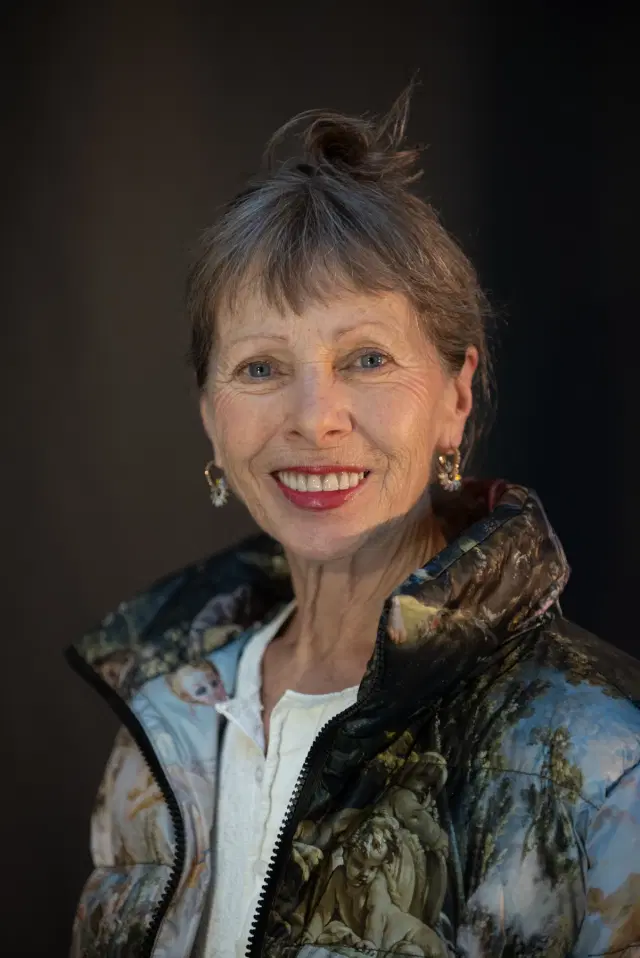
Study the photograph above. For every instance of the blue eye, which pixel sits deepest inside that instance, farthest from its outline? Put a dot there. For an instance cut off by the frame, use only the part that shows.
(261, 369)
(373, 352)
(260, 364)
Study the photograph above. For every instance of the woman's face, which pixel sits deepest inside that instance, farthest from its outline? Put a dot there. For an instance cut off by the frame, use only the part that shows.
(351, 383)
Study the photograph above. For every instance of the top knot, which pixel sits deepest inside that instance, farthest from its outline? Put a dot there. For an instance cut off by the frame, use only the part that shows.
(361, 148)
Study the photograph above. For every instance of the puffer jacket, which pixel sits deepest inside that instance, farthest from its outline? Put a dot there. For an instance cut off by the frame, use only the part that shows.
(481, 798)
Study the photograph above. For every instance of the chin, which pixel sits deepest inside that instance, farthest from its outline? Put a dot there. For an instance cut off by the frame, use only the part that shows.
(318, 545)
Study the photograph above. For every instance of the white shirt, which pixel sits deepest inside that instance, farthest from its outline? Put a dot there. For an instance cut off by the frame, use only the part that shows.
(255, 791)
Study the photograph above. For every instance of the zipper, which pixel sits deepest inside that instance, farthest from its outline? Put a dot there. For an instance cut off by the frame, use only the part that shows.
(307, 774)
(134, 726)
(311, 765)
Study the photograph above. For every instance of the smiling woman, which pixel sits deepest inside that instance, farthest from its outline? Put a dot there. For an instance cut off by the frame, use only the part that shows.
(341, 218)
(368, 729)
(315, 408)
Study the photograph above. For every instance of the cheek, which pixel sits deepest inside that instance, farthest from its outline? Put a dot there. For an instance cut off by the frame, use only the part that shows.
(404, 419)
(243, 424)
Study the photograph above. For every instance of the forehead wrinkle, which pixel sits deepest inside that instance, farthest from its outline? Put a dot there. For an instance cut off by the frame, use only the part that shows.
(374, 310)
(337, 334)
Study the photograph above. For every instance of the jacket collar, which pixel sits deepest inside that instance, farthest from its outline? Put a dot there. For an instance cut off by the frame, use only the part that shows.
(503, 568)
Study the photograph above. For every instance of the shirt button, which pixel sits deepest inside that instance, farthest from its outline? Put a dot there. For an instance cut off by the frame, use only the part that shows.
(259, 775)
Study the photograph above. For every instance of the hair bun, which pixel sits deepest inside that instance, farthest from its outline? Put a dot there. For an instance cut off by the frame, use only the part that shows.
(337, 141)
(362, 148)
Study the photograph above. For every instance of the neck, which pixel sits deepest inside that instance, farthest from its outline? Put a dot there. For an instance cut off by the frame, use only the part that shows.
(339, 602)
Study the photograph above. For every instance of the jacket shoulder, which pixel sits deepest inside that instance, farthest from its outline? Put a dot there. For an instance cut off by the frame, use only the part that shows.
(583, 659)
(593, 702)
(562, 706)
(184, 615)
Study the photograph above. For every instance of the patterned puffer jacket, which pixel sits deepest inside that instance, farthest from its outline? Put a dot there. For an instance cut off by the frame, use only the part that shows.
(481, 798)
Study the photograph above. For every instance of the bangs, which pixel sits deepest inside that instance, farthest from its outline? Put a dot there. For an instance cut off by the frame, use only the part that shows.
(306, 247)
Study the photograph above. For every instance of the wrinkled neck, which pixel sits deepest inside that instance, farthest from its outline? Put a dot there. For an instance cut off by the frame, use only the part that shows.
(339, 602)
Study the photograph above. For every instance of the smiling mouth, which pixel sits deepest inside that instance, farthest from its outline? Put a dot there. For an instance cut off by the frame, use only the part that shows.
(327, 482)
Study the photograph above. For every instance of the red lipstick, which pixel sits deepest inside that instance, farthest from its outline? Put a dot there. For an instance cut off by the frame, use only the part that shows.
(319, 501)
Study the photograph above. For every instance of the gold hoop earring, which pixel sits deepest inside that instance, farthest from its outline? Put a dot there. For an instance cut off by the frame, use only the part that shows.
(218, 488)
(449, 471)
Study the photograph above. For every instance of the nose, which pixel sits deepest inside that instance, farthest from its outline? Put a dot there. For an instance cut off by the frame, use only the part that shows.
(319, 410)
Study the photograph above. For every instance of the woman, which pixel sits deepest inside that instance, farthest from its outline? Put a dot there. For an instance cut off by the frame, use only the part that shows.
(368, 729)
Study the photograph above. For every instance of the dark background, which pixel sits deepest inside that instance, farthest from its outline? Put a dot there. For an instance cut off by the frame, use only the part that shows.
(125, 125)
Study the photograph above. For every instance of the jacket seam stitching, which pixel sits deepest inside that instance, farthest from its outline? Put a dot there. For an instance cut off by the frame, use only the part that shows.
(545, 778)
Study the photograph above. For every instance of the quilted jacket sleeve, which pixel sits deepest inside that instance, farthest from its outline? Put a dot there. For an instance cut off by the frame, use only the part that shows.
(612, 922)
(130, 851)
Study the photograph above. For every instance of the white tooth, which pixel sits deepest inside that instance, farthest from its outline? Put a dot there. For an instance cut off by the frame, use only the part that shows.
(344, 480)
(299, 481)
(314, 483)
(360, 476)
(291, 480)
(330, 482)
(353, 479)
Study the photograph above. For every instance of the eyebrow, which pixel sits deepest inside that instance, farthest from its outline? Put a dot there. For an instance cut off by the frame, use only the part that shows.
(339, 333)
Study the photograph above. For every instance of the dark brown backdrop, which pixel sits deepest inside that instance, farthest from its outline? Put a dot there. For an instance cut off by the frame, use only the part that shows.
(124, 126)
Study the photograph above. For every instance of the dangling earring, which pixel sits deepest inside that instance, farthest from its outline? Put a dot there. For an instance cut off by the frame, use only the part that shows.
(218, 488)
(449, 471)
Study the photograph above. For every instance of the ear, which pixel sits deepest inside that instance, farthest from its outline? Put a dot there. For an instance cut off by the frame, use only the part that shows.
(458, 402)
